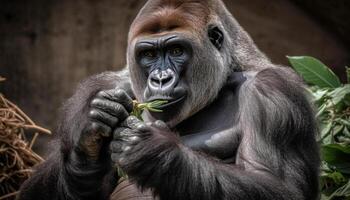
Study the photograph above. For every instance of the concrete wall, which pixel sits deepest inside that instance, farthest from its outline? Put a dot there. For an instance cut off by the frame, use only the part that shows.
(47, 46)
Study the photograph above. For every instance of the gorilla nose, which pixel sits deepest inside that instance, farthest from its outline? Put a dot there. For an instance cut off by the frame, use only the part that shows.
(162, 80)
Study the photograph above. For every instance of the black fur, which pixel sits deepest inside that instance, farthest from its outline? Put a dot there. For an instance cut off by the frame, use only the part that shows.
(232, 135)
(277, 157)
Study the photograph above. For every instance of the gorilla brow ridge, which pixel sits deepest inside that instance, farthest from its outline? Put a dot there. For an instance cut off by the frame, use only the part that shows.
(170, 15)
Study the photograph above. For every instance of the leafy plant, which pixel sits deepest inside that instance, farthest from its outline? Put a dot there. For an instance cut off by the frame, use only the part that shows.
(153, 106)
(332, 100)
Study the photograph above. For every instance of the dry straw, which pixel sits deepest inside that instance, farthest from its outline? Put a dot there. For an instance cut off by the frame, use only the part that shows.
(16, 155)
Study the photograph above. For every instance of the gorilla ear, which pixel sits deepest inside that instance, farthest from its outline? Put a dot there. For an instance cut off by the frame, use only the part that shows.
(216, 36)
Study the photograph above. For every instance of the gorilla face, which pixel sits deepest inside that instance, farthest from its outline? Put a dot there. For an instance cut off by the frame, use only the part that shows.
(180, 61)
(163, 60)
(183, 70)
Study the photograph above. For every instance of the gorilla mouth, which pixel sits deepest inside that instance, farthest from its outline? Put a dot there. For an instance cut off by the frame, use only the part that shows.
(170, 101)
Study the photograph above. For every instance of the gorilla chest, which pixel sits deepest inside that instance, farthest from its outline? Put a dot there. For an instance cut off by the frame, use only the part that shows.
(222, 144)
(213, 130)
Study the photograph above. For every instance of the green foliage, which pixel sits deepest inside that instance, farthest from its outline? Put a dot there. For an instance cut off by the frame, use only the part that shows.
(314, 71)
(153, 106)
(332, 100)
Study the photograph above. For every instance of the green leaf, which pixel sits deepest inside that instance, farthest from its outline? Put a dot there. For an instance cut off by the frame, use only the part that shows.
(121, 173)
(342, 148)
(344, 122)
(338, 156)
(337, 129)
(153, 106)
(158, 103)
(314, 71)
(344, 140)
(346, 132)
(324, 197)
(326, 130)
(319, 95)
(155, 110)
(340, 93)
(343, 191)
(348, 73)
(336, 177)
(321, 110)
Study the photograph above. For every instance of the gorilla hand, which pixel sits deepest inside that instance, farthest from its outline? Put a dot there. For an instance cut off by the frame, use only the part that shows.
(137, 146)
(107, 109)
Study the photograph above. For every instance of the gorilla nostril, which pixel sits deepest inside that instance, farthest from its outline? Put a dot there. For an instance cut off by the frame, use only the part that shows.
(155, 81)
(162, 80)
(166, 80)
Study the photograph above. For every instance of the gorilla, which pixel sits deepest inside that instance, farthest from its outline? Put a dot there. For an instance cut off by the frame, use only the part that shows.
(235, 126)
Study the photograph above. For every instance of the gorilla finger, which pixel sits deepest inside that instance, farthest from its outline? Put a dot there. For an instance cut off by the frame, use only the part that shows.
(121, 132)
(117, 95)
(132, 140)
(148, 123)
(111, 107)
(161, 125)
(103, 117)
(115, 157)
(135, 123)
(126, 135)
(124, 98)
(116, 146)
(121, 160)
(118, 158)
(98, 128)
(126, 148)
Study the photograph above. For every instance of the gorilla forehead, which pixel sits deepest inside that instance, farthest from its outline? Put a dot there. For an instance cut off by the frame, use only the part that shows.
(167, 15)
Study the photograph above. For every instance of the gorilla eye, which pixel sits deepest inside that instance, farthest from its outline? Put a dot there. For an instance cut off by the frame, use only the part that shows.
(149, 54)
(176, 51)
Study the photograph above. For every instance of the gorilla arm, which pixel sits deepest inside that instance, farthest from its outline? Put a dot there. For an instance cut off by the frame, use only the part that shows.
(277, 157)
(79, 169)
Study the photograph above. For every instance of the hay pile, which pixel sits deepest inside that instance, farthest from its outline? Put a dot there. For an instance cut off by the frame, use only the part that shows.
(16, 155)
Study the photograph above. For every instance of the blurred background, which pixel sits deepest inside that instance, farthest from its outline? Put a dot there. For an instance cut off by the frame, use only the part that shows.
(48, 46)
